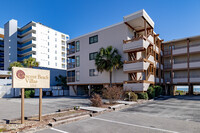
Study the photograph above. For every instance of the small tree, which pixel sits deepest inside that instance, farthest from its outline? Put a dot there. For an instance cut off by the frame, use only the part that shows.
(14, 64)
(113, 93)
(61, 80)
(30, 62)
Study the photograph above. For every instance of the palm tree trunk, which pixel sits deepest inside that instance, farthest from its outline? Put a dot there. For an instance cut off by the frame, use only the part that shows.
(110, 78)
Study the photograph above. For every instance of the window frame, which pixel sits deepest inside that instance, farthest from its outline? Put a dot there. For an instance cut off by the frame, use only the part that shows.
(77, 50)
(93, 39)
(93, 55)
(77, 62)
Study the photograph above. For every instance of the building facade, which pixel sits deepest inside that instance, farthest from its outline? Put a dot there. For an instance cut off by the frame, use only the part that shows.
(36, 40)
(1, 49)
(137, 43)
(182, 63)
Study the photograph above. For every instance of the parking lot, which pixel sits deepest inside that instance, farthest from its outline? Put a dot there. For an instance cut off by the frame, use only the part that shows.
(165, 115)
(11, 108)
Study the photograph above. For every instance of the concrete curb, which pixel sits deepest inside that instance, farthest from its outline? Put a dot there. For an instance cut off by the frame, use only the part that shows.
(70, 116)
(69, 120)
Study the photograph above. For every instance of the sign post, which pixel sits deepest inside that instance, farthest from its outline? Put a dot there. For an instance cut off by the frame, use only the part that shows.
(30, 78)
(22, 106)
(40, 105)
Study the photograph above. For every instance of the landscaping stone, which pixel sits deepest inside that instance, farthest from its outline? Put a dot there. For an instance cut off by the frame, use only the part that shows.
(127, 102)
(69, 120)
(118, 106)
(70, 116)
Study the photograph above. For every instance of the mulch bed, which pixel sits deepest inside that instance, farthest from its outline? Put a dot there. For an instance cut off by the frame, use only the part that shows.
(34, 123)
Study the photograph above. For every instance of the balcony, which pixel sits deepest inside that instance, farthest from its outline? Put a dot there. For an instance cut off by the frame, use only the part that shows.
(138, 43)
(26, 45)
(70, 79)
(26, 52)
(22, 58)
(70, 65)
(27, 38)
(139, 65)
(177, 80)
(136, 86)
(70, 51)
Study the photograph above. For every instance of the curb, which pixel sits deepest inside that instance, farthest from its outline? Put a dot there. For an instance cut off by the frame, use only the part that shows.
(69, 120)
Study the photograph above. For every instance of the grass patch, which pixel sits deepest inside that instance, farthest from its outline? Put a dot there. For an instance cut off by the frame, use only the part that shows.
(3, 129)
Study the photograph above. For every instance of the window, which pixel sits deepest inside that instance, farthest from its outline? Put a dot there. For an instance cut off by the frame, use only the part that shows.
(56, 39)
(48, 43)
(93, 39)
(92, 56)
(93, 72)
(48, 50)
(77, 61)
(48, 56)
(77, 75)
(55, 58)
(156, 56)
(55, 64)
(56, 33)
(48, 63)
(56, 52)
(77, 46)
(55, 45)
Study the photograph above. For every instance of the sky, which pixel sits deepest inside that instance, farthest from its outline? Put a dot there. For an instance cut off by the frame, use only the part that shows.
(173, 18)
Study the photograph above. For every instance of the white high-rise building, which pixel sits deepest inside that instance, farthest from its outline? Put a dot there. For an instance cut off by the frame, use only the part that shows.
(36, 40)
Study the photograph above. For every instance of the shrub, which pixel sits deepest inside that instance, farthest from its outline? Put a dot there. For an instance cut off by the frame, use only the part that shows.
(151, 92)
(112, 93)
(130, 96)
(143, 95)
(29, 93)
(96, 100)
(158, 90)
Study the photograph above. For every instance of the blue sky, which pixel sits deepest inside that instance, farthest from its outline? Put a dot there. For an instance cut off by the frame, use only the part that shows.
(173, 18)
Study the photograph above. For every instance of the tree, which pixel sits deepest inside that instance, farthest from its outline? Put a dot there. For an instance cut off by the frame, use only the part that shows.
(30, 62)
(108, 59)
(14, 64)
(62, 80)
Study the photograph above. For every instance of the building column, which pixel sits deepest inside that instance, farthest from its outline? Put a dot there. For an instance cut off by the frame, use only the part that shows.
(89, 90)
(191, 89)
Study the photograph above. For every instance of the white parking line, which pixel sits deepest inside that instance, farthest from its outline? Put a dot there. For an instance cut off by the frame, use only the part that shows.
(58, 130)
(158, 129)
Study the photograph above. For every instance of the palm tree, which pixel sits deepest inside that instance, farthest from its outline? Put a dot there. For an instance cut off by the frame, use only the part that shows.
(30, 62)
(107, 60)
(14, 64)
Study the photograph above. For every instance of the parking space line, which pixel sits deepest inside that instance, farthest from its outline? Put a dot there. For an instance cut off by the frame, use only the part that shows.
(128, 124)
(58, 130)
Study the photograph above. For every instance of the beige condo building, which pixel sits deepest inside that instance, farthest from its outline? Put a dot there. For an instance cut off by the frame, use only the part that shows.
(137, 43)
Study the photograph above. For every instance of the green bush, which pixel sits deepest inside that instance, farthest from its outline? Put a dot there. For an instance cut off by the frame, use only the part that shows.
(158, 90)
(143, 95)
(151, 92)
(130, 96)
(154, 91)
(29, 93)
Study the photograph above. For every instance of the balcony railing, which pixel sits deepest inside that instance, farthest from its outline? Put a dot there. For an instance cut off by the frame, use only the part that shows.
(71, 65)
(70, 79)
(25, 44)
(24, 31)
(24, 51)
(70, 51)
(25, 57)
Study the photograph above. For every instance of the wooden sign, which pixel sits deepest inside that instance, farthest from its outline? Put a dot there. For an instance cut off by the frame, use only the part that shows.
(30, 78)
